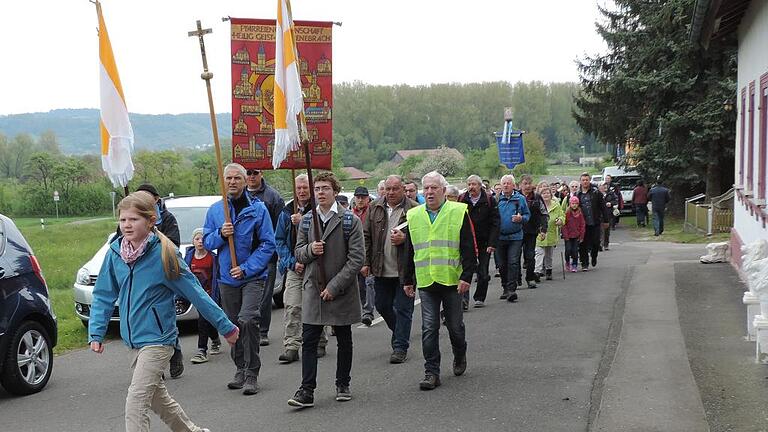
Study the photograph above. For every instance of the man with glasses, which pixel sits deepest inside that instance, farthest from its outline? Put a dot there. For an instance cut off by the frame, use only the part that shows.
(257, 187)
(412, 192)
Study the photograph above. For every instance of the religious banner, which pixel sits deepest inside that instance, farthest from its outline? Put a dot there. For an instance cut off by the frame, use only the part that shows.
(253, 80)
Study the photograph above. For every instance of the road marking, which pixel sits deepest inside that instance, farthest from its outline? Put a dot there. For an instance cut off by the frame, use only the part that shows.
(381, 319)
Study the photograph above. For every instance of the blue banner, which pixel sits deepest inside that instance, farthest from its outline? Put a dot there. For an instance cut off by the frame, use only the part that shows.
(511, 152)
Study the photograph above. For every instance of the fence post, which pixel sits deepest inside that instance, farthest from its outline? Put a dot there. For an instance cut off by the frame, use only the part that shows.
(710, 219)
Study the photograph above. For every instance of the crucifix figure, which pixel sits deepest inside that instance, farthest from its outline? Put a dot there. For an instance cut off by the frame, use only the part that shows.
(200, 32)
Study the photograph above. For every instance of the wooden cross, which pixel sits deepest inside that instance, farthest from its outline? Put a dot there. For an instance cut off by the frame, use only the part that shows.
(200, 32)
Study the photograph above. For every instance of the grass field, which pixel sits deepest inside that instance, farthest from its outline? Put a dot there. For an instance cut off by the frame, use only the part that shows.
(673, 232)
(62, 248)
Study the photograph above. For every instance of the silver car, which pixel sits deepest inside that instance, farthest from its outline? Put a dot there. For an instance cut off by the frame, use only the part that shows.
(190, 214)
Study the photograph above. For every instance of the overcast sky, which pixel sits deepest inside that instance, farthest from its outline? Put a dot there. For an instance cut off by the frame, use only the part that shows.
(50, 47)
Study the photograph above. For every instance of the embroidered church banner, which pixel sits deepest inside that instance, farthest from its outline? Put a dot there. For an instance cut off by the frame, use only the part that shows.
(253, 79)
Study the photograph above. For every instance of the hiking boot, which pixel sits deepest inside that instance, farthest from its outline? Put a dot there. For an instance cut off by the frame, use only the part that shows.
(512, 297)
(430, 382)
(238, 381)
(548, 274)
(320, 351)
(504, 295)
(398, 357)
(537, 277)
(200, 357)
(215, 348)
(465, 305)
(289, 356)
(343, 394)
(479, 303)
(459, 365)
(177, 364)
(594, 261)
(263, 341)
(532, 284)
(367, 321)
(250, 387)
(302, 399)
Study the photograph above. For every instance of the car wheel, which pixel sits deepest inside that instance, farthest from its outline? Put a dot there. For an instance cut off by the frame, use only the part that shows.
(29, 360)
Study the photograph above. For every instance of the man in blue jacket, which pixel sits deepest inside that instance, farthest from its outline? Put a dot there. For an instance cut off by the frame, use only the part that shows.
(241, 286)
(513, 214)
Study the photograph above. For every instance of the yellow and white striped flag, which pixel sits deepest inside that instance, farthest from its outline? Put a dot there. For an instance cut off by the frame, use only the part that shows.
(116, 130)
(289, 101)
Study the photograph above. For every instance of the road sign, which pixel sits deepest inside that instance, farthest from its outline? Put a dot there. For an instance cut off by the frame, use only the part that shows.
(56, 195)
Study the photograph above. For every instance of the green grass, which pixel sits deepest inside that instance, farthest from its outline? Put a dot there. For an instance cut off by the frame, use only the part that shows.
(673, 232)
(62, 248)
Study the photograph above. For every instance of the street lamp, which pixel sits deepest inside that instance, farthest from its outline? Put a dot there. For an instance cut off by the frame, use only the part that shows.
(728, 105)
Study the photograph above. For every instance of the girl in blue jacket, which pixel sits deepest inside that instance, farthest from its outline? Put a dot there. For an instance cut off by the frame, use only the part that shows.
(143, 271)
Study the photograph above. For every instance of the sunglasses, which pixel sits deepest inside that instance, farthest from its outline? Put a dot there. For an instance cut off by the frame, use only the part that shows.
(253, 172)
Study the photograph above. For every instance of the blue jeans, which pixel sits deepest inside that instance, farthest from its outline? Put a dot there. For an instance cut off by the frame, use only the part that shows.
(658, 221)
(641, 212)
(508, 252)
(397, 310)
(430, 325)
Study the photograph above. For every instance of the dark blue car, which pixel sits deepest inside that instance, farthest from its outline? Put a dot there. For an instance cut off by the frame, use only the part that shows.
(27, 323)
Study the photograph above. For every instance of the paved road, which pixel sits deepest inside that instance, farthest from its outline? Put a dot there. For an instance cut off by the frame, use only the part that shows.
(551, 362)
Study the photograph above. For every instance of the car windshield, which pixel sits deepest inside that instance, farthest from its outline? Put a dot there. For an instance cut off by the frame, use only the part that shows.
(626, 183)
(189, 218)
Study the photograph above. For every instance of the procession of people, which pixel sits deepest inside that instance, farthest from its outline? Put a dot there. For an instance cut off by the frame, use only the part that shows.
(341, 263)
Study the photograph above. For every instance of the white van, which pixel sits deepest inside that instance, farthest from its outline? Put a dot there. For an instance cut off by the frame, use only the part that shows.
(626, 179)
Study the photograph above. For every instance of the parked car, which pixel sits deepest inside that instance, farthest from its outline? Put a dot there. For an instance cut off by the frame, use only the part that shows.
(626, 180)
(28, 329)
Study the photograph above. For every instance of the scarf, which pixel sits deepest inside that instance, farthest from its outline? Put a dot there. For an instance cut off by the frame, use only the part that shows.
(129, 254)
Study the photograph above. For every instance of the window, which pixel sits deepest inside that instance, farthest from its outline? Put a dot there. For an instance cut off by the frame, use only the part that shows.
(742, 138)
(761, 154)
(751, 139)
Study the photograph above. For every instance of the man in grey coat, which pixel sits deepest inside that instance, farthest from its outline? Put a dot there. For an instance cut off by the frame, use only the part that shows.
(336, 302)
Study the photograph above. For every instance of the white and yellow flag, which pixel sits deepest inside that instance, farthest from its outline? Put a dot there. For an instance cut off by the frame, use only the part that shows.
(289, 101)
(116, 131)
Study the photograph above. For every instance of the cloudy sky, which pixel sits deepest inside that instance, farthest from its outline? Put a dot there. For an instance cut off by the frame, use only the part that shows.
(50, 47)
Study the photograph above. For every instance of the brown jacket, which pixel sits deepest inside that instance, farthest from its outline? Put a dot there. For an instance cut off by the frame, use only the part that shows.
(342, 261)
(375, 229)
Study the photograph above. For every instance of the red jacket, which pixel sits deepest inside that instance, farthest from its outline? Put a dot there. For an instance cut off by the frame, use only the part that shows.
(574, 225)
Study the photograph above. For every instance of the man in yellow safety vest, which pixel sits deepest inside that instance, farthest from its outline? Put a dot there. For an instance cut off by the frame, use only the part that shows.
(440, 260)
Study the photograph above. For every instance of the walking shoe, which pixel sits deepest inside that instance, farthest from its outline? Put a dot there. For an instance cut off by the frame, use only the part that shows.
(302, 399)
(459, 365)
(238, 381)
(367, 321)
(398, 357)
(594, 261)
(320, 351)
(289, 356)
(430, 382)
(250, 387)
(177, 364)
(548, 274)
(200, 357)
(585, 269)
(606, 248)
(600, 248)
(263, 341)
(479, 303)
(343, 394)
(567, 267)
(504, 295)
(497, 275)
(512, 297)
(215, 348)
(465, 305)
(532, 284)
(537, 277)
(574, 269)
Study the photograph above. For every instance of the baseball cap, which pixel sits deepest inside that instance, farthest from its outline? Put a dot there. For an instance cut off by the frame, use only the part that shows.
(148, 188)
(361, 191)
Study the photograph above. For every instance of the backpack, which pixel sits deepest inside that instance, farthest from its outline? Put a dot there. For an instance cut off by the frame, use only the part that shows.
(346, 223)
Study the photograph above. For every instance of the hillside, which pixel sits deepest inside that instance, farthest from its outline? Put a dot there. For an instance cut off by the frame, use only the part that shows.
(78, 129)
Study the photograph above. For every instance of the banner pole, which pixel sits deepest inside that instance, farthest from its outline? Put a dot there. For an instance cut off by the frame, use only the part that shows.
(315, 219)
(207, 76)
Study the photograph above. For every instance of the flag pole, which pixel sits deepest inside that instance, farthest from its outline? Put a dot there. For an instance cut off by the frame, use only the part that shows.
(207, 76)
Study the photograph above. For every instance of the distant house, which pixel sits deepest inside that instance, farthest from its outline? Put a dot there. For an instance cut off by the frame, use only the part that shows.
(356, 174)
(402, 155)
(749, 21)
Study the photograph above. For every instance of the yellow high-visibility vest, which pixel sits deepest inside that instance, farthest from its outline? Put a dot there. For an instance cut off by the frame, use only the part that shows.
(436, 253)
